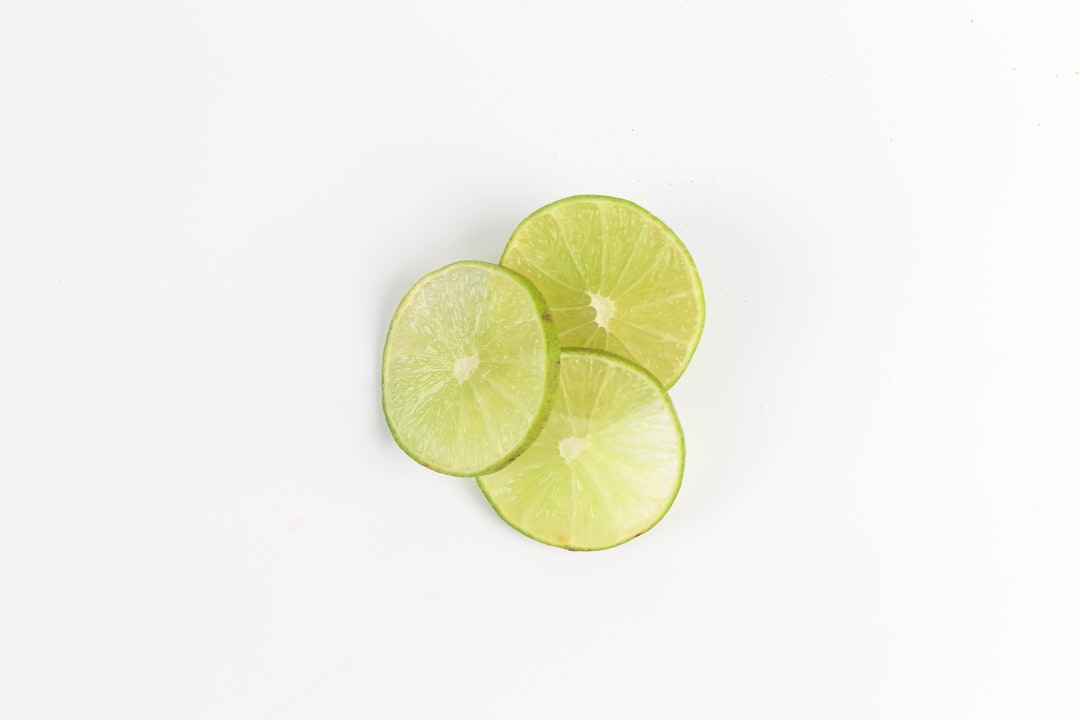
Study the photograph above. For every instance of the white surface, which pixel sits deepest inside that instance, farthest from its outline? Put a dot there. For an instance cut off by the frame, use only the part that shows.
(209, 211)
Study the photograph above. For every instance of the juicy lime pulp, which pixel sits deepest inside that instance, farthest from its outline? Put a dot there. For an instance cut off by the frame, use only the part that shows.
(607, 465)
(617, 279)
(470, 368)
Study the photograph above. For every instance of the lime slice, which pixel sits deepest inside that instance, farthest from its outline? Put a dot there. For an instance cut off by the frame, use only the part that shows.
(470, 368)
(607, 465)
(617, 279)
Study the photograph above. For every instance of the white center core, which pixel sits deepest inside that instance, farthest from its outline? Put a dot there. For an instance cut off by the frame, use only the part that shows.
(604, 308)
(464, 367)
(572, 446)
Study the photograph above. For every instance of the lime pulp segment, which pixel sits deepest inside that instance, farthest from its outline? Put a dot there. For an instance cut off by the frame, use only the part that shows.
(617, 279)
(607, 465)
(470, 368)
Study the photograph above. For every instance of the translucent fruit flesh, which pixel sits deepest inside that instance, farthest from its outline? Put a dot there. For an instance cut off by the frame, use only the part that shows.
(607, 465)
(470, 368)
(617, 279)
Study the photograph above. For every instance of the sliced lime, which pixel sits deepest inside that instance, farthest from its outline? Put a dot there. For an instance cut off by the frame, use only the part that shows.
(470, 368)
(617, 279)
(607, 465)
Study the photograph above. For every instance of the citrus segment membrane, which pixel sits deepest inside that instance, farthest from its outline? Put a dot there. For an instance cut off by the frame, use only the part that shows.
(607, 465)
(470, 368)
(617, 279)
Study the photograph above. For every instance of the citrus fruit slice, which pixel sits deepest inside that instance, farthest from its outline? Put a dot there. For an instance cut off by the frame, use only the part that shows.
(470, 368)
(607, 465)
(617, 279)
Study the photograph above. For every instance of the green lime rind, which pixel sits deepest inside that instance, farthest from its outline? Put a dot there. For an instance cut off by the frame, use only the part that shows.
(582, 249)
(494, 318)
(530, 494)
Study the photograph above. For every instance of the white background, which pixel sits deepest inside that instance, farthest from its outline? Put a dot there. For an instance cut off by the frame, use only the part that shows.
(209, 210)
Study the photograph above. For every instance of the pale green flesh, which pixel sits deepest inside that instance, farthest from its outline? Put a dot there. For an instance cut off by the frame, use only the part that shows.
(469, 368)
(617, 279)
(607, 465)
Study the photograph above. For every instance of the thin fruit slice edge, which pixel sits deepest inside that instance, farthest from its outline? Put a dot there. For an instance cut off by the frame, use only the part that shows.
(617, 279)
(608, 464)
(470, 368)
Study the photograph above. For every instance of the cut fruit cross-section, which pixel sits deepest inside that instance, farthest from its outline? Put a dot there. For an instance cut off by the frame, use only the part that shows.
(617, 279)
(607, 465)
(470, 368)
